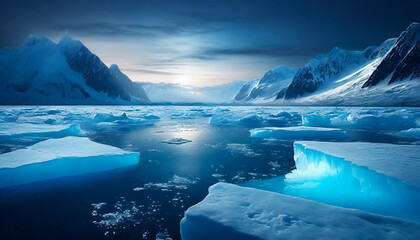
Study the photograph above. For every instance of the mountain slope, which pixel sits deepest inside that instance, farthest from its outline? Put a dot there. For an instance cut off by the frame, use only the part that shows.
(269, 86)
(402, 61)
(42, 72)
(388, 75)
(324, 68)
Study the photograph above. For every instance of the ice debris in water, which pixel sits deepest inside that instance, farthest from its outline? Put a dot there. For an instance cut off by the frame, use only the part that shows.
(176, 182)
(177, 141)
(241, 149)
(163, 236)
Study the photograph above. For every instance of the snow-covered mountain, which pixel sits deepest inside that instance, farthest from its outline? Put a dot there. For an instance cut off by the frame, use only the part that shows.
(42, 72)
(378, 76)
(402, 61)
(273, 83)
(176, 93)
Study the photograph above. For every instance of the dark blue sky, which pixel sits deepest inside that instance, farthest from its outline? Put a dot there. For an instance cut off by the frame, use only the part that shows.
(207, 42)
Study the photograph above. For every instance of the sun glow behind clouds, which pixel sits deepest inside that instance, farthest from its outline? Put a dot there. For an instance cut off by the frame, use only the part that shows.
(184, 80)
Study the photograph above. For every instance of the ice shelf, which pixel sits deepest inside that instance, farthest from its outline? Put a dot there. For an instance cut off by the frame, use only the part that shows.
(233, 212)
(56, 158)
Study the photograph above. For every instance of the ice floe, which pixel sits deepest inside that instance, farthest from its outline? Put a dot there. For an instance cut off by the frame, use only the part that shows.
(177, 141)
(56, 158)
(299, 132)
(233, 212)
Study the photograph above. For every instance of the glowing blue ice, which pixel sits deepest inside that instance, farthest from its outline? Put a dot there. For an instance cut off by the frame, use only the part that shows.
(56, 158)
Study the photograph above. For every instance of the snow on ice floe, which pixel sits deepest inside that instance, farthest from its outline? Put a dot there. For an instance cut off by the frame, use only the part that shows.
(13, 130)
(56, 158)
(233, 212)
(299, 132)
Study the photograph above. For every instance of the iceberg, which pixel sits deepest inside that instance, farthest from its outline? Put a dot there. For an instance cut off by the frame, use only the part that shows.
(15, 130)
(299, 132)
(374, 177)
(233, 212)
(57, 158)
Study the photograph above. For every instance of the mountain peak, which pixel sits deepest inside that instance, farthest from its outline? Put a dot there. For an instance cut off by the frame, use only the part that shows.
(68, 44)
(33, 39)
(115, 68)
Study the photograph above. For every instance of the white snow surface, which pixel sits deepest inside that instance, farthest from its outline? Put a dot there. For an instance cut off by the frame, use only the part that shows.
(51, 149)
(233, 212)
(57, 158)
(401, 162)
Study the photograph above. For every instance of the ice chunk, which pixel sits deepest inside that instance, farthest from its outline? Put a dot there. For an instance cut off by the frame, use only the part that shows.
(366, 120)
(233, 212)
(56, 158)
(375, 177)
(412, 132)
(13, 130)
(299, 132)
(177, 141)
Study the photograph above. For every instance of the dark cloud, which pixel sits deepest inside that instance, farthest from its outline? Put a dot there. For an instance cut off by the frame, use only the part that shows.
(268, 51)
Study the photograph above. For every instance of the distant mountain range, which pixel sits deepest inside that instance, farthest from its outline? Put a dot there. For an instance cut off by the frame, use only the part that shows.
(42, 72)
(377, 76)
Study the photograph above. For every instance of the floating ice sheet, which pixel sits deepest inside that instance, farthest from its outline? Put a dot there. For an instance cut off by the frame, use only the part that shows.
(233, 212)
(56, 158)
(299, 132)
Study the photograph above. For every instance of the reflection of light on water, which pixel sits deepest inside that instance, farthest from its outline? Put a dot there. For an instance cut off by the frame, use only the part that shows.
(185, 132)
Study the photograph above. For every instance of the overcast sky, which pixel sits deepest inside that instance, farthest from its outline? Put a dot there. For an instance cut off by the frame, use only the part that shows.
(204, 43)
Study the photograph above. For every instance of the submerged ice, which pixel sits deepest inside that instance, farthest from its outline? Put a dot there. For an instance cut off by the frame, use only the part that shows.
(63, 157)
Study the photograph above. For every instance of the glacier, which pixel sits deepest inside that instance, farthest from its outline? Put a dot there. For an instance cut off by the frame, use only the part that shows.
(63, 157)
(299, 132)
(233, 212)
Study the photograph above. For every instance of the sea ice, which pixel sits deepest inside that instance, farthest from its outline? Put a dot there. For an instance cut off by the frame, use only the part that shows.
(412, 132)
(396, 120)
(233, 212)
(56, 158)
(14, 130)
(177, 141)
(299, 132)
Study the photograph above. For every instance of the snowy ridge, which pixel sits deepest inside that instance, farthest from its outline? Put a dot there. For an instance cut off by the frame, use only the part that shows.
(269, 86)
(42, 72)
(387, 75)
